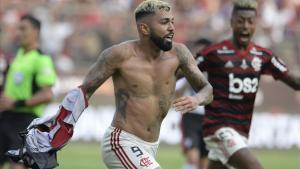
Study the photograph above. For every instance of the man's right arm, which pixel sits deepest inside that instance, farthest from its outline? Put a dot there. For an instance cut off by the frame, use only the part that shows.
(100, 71)
(57, 129)
(61, 124)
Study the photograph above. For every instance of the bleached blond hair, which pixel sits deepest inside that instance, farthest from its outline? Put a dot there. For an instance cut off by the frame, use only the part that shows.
(148, 7)
(245, 4)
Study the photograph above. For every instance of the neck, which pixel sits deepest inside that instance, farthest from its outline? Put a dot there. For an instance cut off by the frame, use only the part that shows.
(239, 46)
(150, 49)
(30, 47)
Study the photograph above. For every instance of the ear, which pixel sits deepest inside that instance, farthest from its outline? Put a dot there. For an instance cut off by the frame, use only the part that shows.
(144, 28)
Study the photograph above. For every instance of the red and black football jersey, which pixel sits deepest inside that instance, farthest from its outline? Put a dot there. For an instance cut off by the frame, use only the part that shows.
(235, 76)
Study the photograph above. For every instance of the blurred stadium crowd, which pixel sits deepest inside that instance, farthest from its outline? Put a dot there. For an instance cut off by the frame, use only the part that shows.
(76, 30)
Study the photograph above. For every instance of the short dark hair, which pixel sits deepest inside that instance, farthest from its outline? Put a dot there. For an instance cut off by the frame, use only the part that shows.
(149, 7)
(34, 21)
(244, 5)
(203, 41)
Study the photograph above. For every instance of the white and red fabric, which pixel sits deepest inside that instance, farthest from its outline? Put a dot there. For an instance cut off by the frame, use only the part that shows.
(59, 126)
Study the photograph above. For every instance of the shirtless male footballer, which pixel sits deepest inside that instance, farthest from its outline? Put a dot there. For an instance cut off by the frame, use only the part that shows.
(144, 75)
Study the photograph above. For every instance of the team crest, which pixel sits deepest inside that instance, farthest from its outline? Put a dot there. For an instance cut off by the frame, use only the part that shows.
(256, 64)
(145, 162)
(231, 143)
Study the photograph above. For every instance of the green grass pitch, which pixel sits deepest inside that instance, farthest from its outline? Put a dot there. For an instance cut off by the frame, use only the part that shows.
(88, 156)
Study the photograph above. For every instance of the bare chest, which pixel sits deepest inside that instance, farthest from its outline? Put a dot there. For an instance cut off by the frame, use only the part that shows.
(149, 78)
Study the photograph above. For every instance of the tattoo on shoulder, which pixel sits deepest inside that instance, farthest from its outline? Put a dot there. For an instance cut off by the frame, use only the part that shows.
(184, 55)
(189, 68)
(98, 73)
(103, 57)
(122, 97)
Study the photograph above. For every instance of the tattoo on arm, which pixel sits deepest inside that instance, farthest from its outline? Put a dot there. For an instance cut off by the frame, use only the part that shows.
(122, 97)
(189, 68)
(194, 76)
(99, 72)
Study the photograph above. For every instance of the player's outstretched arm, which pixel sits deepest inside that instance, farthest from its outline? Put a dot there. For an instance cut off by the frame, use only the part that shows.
(278, 69)
(101, 70)
(292, 81)
(197, 80)
(76, 101)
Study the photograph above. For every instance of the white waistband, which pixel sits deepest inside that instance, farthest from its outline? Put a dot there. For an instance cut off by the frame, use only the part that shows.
(132, 136)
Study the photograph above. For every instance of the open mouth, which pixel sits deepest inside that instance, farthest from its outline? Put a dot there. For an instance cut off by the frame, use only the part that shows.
(169, 37)
(244, 35)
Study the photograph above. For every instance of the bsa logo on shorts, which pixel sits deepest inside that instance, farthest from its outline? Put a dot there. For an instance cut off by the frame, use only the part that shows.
(145, 162)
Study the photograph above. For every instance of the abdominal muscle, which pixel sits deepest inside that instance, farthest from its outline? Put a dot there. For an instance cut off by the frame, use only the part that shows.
(142, 116)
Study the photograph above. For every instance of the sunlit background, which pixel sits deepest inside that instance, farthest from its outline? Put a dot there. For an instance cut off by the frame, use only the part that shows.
(74, 32)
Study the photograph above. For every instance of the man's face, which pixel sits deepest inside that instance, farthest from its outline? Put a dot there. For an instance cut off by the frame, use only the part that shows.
(26, 33)
(243, 23)
(162, 29)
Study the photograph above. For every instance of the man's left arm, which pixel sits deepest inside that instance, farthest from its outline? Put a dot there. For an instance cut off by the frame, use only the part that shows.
(291, 80)
(195, 77)
(44, 95)
(278, 69)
